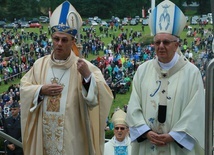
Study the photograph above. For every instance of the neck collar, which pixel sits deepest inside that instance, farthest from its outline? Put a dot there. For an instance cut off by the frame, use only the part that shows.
(167, 66)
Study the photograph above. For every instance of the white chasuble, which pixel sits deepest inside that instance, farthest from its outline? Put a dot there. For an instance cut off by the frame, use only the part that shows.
(181, 92)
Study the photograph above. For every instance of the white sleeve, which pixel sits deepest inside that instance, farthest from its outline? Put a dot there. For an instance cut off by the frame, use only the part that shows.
(35, 100)
(90, 96)
(136, 132)
(183, 139)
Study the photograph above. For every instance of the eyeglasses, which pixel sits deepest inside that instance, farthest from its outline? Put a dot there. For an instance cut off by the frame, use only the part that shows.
(121, 128)
(165, 42)
(63, 40)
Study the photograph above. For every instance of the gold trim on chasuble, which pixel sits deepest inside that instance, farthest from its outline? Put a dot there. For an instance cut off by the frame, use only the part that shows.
(53, 102)
(53, 125)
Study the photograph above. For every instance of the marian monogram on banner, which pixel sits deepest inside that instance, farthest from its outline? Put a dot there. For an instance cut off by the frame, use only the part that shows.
(164, 20)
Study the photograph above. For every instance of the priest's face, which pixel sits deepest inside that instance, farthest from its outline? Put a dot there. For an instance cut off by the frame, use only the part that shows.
(165, 46)
(62, 43)
(120, 132)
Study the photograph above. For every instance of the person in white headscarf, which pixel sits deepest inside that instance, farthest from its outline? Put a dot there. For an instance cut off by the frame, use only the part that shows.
(65, 99)
(120, 144)
(166, 110)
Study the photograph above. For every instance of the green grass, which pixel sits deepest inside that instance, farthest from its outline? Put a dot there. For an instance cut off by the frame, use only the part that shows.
(121, 99)
(191, 12)
(4, 87)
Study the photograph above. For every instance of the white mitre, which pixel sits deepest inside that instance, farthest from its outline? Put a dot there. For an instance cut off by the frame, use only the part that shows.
(66, 19)
(166, 17)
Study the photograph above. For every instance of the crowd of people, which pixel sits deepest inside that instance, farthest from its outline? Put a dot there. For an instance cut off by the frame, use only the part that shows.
(118, 59)
(20, 49)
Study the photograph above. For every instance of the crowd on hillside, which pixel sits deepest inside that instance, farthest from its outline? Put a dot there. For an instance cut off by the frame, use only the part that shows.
(118, 59)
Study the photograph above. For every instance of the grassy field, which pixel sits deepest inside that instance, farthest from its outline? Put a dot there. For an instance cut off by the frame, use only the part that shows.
(121, 99)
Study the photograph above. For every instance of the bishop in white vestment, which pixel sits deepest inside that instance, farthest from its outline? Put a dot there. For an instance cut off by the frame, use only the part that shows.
(166, 110)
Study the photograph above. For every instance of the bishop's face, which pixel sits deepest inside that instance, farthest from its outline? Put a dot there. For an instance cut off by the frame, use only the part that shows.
(62, 44)
(165, 47)
(120, 132)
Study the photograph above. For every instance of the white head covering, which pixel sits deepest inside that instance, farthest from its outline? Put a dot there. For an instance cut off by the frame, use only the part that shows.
(166, 17)
(119, 118)
(66, 19)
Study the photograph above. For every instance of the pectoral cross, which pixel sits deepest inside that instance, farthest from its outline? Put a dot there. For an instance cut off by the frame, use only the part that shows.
(55, 80)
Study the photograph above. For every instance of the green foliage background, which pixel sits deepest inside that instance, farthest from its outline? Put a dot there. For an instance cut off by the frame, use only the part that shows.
(11, 9)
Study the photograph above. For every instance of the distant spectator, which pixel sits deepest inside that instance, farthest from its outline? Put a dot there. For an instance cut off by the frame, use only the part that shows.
(12, 127)
(120, 144)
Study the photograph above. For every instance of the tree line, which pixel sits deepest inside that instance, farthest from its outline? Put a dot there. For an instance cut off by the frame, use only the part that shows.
(11, 9)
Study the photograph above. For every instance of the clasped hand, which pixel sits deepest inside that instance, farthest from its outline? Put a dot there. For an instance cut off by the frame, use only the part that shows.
(159, 139)
(51, 89)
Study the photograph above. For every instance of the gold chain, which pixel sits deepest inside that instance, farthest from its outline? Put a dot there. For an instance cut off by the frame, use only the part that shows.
(56, 79)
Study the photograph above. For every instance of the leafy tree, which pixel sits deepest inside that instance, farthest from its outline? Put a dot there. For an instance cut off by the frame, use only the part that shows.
(12, 10)
(2, 10)
(44, 6)
(203, 6)
(103, 9)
